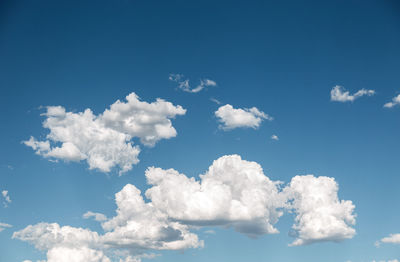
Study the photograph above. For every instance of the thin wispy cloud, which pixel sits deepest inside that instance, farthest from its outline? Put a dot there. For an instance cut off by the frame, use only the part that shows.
(184, 84)
(4, 226)
(339, 94)
(231, 118)
(395, 102)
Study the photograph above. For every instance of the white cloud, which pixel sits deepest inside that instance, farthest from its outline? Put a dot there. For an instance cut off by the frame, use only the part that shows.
(212, 99)
(4, 226)
(339, 94)
(395, 102)
(275, 137)
(231, 118)
(391, 239)
(6, 196)
(184, 84)
(97, 216)
(104, 141)
(231, 193)
(320, 215)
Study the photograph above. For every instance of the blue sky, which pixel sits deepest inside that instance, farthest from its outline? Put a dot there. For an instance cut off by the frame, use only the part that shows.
(281, 57)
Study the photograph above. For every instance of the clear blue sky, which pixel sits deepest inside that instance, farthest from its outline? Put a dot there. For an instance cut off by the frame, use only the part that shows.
(283, 57)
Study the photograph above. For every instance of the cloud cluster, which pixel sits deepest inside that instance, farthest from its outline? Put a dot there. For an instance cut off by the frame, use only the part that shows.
(184, 84)
(6, 196)
(105, 140)
(231, 118)
(4, 226)
(320, 215)
(339, 94)
(232, 193)
(395, 102)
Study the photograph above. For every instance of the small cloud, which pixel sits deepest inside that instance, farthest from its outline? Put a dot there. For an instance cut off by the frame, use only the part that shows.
(215, 100)
(210, 232)
(97, 216)
(7, 198)
(391, 239)
(231, 118)
(395, 102)
(339, 94)
(4, 226)
(275, 137)
(184, 84)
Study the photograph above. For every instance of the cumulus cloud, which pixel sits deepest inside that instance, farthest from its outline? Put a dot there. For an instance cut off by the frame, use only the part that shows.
(231, 118)
(395, 102)
(339, 94)
(6, 196)
(232, 193)
(320, 215)
(97, 216)
(4, 226)
(391, 239)
(184, 84)
(105, 141)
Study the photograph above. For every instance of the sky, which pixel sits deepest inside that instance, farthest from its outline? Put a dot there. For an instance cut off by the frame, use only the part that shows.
(199, 131)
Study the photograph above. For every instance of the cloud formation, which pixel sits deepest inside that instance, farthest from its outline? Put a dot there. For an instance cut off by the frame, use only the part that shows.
(97, 216)
(4, 226)
(232, 193)
(320, 215)
(339, 94)
(184, 84)
(275, 137)
(395, 102)
(231, 118)
(105, 140)
(391, 239)
(6, 196)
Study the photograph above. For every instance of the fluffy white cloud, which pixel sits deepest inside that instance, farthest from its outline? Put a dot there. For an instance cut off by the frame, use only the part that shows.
(233, 192)
(231, 118)
(4, 226)
(184, 84)
(391, 239)
(6, 196)
(339, 94)
(104, 141)
(395, 102)
(320, 215)
(97, 216)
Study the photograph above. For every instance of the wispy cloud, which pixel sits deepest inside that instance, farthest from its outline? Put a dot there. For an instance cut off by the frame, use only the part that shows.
(395, 102)
(4, 226)
(339, 94)
(7, 199)
(184, 84)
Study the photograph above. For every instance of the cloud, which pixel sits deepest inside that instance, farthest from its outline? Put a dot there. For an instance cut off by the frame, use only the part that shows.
(395, 102)
(105, 140)
(212, 99)
(320, 215)
(231, 118)
(4, 226)
(275, 137)
(6, 196)
(184, 84)
(232, 193)
(391, 239)
(97, 216)
(339, 94)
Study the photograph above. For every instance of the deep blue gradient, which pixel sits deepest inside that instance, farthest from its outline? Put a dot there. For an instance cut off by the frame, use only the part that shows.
(281, 56)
